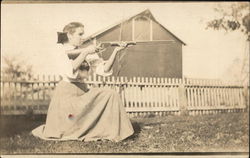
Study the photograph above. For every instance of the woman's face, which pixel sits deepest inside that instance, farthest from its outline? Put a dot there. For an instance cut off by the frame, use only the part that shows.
(77, 37)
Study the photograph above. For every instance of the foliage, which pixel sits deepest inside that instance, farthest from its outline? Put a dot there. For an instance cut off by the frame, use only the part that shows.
(16, 69)
(236, 16)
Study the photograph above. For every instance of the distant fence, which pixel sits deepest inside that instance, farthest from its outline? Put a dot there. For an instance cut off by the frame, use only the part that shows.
(141, 96)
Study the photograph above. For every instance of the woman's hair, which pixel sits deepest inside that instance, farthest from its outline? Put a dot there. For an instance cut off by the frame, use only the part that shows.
(70, 28)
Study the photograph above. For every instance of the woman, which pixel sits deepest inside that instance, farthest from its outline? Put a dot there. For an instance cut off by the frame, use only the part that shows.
(77, 113)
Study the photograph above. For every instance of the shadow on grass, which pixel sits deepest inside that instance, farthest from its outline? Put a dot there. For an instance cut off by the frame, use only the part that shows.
(137, 130)
(12, 125)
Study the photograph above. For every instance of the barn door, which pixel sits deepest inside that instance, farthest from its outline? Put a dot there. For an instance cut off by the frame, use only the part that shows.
(142, 29)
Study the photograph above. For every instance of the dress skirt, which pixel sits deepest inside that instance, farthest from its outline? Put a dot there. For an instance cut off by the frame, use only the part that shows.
(76, 113)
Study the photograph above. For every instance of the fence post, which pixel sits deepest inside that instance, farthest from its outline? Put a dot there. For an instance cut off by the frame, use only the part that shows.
(246, 97)
(182, 99)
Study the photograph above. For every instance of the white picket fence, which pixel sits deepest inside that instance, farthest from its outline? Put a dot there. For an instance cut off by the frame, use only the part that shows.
(140, 96)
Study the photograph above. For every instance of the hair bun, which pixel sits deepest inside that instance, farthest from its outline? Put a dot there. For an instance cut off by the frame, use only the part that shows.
(62, 37)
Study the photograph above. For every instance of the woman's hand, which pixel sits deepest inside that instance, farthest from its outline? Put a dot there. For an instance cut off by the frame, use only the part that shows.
(121, 46)
(91, 49)
(117, 49)
(100, 49)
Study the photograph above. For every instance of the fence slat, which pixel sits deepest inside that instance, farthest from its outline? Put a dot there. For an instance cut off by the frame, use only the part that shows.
(216, 94)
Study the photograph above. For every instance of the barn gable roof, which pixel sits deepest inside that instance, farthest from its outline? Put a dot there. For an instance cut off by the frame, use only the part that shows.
(146, 12)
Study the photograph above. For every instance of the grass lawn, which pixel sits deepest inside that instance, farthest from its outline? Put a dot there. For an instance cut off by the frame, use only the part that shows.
(224, 132)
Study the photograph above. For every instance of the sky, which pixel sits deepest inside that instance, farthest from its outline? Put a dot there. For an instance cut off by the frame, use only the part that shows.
(28, 31)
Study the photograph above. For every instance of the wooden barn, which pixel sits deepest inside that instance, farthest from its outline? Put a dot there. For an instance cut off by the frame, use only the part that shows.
(157, 53)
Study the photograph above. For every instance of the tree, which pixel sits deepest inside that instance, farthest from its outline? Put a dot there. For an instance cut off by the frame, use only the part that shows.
(16, 69)
(235, 16)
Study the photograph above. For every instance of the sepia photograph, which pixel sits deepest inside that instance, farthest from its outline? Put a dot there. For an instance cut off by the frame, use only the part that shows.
(128, 78)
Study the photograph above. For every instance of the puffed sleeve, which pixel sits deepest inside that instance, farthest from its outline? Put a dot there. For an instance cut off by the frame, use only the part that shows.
(65, 68)
(97, 65)
(100, 70)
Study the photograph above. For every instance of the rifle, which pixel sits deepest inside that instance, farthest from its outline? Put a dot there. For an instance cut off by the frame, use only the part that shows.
(103, 45)
(119, 43)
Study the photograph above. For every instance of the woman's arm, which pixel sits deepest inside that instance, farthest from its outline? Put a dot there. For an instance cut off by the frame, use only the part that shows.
(76, 52)
(81, 57)
(109, 63)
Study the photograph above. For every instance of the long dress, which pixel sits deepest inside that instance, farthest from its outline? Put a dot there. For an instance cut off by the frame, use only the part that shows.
(78, 113)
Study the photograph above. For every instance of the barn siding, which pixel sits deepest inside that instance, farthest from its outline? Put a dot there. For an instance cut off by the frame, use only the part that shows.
(159, 33)
(110, 35)
(127, 31)
(150, 60)
(114, 33)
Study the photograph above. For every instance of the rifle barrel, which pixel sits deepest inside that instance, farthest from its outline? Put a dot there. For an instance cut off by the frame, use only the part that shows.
(117, 43)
